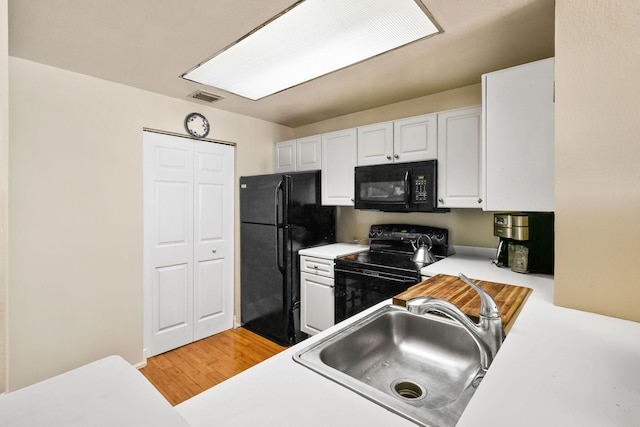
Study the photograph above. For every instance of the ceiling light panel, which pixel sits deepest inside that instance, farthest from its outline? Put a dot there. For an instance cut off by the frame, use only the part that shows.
(313, 38)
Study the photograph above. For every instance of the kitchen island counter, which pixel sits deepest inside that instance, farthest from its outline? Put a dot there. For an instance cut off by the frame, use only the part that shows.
(557, 367)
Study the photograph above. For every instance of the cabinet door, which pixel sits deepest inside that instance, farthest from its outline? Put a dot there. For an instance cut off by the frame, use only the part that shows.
(317, 303)
(339, 156)
(518, 145)
(284, 156)
(308, 153)
(375, 144)
(415, 138)
(459, 157)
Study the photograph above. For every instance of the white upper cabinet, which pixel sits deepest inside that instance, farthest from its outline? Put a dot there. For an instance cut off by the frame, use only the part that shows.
(459, 158)
(308, 153)
(339, 157)
(415, 138)
(302, 154)
(375, 144)
(518, 137)
(406, 140)
(284, 156)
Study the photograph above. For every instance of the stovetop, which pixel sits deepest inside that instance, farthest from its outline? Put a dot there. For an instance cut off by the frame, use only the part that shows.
(391, 249)
(393, 264)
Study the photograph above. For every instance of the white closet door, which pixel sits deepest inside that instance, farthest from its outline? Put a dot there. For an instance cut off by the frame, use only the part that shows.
(188, 192)
(213, 222)
(169, 218)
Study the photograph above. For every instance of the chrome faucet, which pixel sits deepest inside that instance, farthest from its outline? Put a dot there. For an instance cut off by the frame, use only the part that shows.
(488, 333)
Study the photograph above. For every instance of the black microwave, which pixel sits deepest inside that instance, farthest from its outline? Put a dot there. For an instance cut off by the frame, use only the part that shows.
(398, 187)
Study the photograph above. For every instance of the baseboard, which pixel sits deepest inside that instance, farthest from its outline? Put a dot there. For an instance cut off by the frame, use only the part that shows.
(236, 323)
(144, 360)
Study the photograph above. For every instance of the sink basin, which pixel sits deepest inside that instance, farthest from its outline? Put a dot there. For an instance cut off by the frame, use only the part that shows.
(424, 368)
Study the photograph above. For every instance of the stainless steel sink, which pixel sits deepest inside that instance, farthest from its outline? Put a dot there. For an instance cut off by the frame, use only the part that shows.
(422, 367)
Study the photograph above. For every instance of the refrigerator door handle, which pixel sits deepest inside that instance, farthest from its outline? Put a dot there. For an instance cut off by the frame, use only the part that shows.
(278, 227)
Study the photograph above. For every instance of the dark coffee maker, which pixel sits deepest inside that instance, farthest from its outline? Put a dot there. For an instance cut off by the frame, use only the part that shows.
(526, 241)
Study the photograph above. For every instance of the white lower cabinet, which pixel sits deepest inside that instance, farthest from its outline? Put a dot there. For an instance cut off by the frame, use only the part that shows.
(318, 315)
(317, 307)
(316, 294)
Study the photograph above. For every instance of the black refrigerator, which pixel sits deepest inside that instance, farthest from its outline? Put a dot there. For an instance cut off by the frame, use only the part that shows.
(279, 215)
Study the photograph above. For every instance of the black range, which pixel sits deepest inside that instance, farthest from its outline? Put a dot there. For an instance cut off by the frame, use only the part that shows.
(364, 279)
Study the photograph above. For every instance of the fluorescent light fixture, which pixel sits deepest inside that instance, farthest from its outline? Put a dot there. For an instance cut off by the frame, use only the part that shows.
(311, 39)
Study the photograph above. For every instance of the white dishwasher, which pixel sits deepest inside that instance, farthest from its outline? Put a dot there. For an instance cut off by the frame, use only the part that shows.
(317, 285)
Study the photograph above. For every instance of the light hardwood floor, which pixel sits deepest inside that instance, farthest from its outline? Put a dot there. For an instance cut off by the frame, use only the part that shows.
(186, 371)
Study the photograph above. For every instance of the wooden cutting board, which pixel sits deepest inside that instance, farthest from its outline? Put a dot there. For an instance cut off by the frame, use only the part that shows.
(509, 298)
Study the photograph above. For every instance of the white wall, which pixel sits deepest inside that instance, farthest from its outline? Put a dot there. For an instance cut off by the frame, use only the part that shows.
(4, 175)
(75, 209)
(598, 156)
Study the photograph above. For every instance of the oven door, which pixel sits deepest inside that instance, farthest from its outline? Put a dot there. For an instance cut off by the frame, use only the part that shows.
(357, 290)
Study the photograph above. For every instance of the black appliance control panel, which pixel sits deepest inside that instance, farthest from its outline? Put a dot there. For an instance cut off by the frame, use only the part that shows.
(383, 235)
(420, 193)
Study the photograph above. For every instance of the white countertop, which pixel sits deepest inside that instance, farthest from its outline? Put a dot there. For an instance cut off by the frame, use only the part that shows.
(106, 393)
(557, 367)
(333, 250)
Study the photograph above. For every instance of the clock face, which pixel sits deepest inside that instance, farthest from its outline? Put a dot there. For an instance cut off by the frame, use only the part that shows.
(197, 125)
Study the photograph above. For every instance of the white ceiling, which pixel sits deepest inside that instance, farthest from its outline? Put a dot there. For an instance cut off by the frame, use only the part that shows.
(148, 44)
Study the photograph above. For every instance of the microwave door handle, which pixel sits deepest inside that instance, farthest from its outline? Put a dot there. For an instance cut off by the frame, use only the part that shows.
(407, 189)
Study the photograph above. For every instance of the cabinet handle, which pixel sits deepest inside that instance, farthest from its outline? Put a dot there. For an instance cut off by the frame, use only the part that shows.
(214, 250)
(479, 200)
(395, 156)
(441, 200)
(388, 157)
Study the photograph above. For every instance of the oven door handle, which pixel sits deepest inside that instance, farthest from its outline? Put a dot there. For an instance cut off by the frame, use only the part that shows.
(377, 275)
(392, 279)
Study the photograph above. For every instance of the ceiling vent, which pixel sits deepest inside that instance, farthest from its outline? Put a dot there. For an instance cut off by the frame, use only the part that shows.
(206, 96)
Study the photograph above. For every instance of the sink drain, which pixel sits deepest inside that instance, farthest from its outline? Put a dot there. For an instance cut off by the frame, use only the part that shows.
(408, 389)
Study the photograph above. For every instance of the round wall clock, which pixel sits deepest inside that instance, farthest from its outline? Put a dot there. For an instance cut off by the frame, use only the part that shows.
(197, 125)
